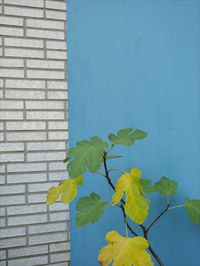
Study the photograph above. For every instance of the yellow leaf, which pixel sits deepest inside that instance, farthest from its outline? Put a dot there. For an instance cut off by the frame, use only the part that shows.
(136, 206)
(125, 251)
(68, 189)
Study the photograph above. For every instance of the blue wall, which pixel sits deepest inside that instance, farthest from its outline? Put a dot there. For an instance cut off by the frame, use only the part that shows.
(136, 64)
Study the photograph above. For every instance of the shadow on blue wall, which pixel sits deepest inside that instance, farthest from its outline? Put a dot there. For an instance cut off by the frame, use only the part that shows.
(137, 64)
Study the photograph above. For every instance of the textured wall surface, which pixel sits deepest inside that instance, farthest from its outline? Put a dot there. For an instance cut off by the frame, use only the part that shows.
(33, 132)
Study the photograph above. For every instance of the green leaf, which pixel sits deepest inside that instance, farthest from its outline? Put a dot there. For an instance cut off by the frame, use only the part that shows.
(109, 157)
(145, 182)
(126, 136)
(166, 186)
(150, 189)
(86, 156)
(193, 209)
(90, 209)
(139, 134)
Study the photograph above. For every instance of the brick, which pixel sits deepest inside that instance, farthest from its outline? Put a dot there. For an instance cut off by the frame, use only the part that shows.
(56, 54)
(3, 262)
(58, 135)
(45, 74)
(56, 5)
(50, 64)
(60, 85)
(12, 157)
(58, 176)
(58, 125)
(5, 115)
(59, 206)
(27, 209)
(10, 232)
(59, 216)
(2, 222)
(57, 95)
(26, 167)
(11, 147)
(17, 136)
(33, 146)
(12, 73)
(8, 31)
(59, 257)
(46, 156)
(40, 187)
(46, 228)
(27, 251)
(12, 200)
(1, 83)
(6, 20)
(25, 84)
(46, 34)
(2, 254)
(60, 15)
(37, 198)
(25, 94)
(2, 168)
(19, 52)
(12, 242)
(22, 42)
(2, 212)
(2, 179)
(44, 115)
(32, 125)
(26, 178)
(33, 3)
(11, 104)
(45, 24)
(27, 219)
(1, 136)
(1, 126)
(57, 166)
(51, 105)
(15, 189)
(56, 45)
(29, 261)
(23, 12)
(7, 62)
(47, 238)
(56, 247)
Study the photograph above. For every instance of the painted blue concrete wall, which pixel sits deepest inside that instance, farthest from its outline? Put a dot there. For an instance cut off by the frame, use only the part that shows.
(137, 64)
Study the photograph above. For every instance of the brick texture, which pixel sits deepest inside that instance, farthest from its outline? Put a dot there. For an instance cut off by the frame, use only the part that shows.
(33, 132)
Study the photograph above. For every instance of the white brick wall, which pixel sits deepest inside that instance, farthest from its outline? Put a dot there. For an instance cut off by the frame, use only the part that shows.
(33, 132)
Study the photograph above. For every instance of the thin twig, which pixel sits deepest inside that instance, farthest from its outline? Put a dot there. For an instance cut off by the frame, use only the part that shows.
(157, 218)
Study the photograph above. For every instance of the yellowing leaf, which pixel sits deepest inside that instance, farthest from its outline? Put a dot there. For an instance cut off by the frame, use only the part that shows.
(136, 206)
(125, 251)
(68, 189)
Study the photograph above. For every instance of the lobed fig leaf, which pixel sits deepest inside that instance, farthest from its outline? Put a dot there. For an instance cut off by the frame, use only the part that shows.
(68, 189)
(127, 136)
(90, 209)
(136, 206)
(164, 187)
(86, 156)
(193, 209)
(125, 251)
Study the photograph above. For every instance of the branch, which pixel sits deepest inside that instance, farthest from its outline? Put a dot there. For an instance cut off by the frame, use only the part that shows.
(145, 231)
(157, 218)
(113, 187)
